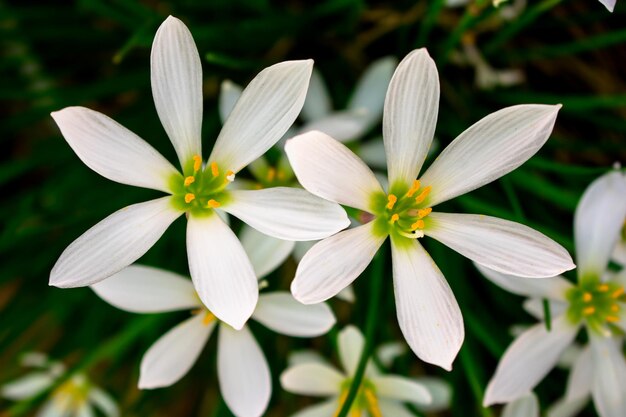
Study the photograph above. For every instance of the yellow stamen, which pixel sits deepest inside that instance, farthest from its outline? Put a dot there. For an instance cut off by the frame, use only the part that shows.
(417, 225)
(213, 203)
(342, 399)
(612, 319)
(189, 180)
(189, 197)
(416, 186)
(271, 174)
(372, 404)
(197, 163)
(618, 292)
(421, 213)
(230, 176)
(587, 297)
(214, 170)
(391, 201)
(603, 287)
(208, 318)
(422, 196)
(615, 308)
(589, 311)
(395, 218)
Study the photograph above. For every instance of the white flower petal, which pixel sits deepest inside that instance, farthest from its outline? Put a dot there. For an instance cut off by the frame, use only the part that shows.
(333, 263)
(266, 253)
(287, 213)
(393, 409)
(113, 151)
(317, 103)
(314, 379)
(343, 126)
(220, 270)
(610, 6)
(176, 75)
(598, 223)
(324, 409)
(85, 410)
(428, 313)
(553, 288)
(528, 359)
(371, 88)
(410, 117)
(282, 313)
(347, 294)
(27, 386)
(266, 109)
(534, 307)
(113, 244)
(609, 379)
(527, 406)
(243, 373)
(440, 391)
(395, 387)
(104, 402)
(581, 376)
(492, 147)
(388, 352)
(330, 170)
(350, 343)
(301, 357)
(173, 355)
(502, 245)
(373, 153)
(229, 94)
(143, 289)
(564, 408)
(51, 409)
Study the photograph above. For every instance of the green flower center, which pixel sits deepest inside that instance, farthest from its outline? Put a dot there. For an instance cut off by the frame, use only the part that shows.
(72, 394)
(365, 400)
(596, 303)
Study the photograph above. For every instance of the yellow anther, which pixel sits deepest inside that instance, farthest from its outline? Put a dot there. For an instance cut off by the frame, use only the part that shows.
(271, 174)
(422, 196)
(589, 311)
(197, 163)
(417, 225)
(391, 201)
(603, 287)
(416, 186)
(394, 218)
(587, 297)
(342, 399)
(213, 203)
(189, 180)
(421, 213)
(618, 292)
(189, 197)
(615, 308)
(612, 319)
(230, 176)
(208, 318)
(372, 404)
(214, 170)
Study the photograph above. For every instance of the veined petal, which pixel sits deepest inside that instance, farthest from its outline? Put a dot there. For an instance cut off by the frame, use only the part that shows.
(410, 116)
(333, 263)
(581, 376)
(598, 222)
(371, 88)
(220, 270)
(113, 151)
(609, 379)
(317, 103)
(266, 109)
(350, 343)
(528, 359)
(287, 213)
(553, 288)
(428, 313)
(113, 244)
(393, 408)
(527, 406)
(104, 402)
(173, 355)
(492, 147)
(395, 387)
(314, 379)
(176, 75)
(610, 5)
(282, 313)
(266, 253)
(27, 386)
(343, 126)
(330, 170)
(243, 373)
(502, 245)
(143, 289)
(229, 94)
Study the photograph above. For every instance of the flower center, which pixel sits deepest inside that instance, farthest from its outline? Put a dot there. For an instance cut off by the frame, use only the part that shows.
(201, 190)
(72, 394)
(598, 304)
(278, 175)
(365, 400)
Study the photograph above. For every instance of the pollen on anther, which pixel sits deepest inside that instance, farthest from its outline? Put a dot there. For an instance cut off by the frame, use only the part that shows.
(587, 297)
(422, 196)
(612, 319)
(391, 201)
(416, 186)
(603, 287)
(214, 169)
(589, 311)
(271, 174)
(197, 163)
(417, 225)
(230, 176)
(618, 292)
(189, 197)
(213, 203)
(189, 180)
(395, 218)
(208, 318)
(421, 213)
(615, 308)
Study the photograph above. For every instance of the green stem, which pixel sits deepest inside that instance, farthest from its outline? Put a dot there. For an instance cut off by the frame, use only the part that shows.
(376, 273)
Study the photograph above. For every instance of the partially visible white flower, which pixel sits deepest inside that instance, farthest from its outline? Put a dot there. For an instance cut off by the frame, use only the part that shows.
(527, 406)
(379, 394)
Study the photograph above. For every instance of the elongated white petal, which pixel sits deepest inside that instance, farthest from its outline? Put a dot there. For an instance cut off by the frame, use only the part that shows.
(553, 288)
(332, 264)
(581, 376)
(324, 409)
(440, 392)
(221, 270)
(229, 94)
(527, 406)
(410, 116)
(143, 289)
(266, 109)
(27, 386)
(610, 5)
(305, 356)
(529, 358)
(343, 126)
(176, 76)
(502, 245)
(395, 387)
(314, 379)
(282, 313)
(534, 307)
(609, 379)
(598, 222)
(266, 253)
(288, 213)
(350, 343)
(51, 409)
(372, 87)
(330, 170)
(388, 352)
(85, 410)
(393, 408)
(428, 313)
(113, 151)
(492, 147)
(113, 244)
(317, 103)
(104, 402)
(243, 373)
(564, 408)
(173, 355)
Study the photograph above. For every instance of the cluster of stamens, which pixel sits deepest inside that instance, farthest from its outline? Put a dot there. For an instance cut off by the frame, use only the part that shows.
(201, 188)
(406, 214)
(365, 400)
(599, 304)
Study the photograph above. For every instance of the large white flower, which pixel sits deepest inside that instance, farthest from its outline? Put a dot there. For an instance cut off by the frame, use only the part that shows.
(428, 314)
(597, 302)
(75, 397)
(221, 272)
(378, 395)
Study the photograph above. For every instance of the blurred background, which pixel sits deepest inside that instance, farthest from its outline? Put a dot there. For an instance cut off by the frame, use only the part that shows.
(96, 53)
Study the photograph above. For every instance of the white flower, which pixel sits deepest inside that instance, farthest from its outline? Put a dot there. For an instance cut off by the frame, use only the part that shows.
(428, 313)
(75, 397)
(378, 395)
(221, 272)
(609, 4)
(597, 303)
